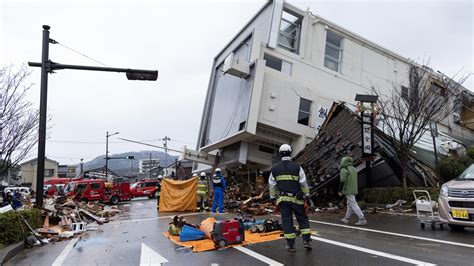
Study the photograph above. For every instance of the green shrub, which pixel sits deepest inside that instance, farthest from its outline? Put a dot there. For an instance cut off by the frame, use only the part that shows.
(452, 166)
(390, 195)
(470, 152)
(12, 229)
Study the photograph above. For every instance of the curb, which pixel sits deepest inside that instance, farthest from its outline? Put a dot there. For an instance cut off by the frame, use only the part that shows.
(397, 213)
(11, 251)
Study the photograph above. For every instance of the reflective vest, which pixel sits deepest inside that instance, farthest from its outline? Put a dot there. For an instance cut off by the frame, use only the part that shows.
(216, 180)
(287, 177)
(202, 187)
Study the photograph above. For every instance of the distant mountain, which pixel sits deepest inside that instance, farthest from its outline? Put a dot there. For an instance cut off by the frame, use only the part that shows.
(122, 166)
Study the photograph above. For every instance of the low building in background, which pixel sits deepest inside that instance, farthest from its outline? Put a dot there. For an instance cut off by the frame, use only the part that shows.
(67, 171)
(180, 170)
(29, 171)
(149, 167)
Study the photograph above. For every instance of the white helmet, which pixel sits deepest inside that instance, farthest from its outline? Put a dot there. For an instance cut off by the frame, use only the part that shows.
(203, 174)
(218, 170)
(160, 177)
(285, 150)
(194, 175)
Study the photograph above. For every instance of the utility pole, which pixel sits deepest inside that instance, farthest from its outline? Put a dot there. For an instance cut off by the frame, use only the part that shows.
(82, 166)
(45, 68)
(131, 169)
(165, 143)
(48, 66)
(150, 165)
(107, 153)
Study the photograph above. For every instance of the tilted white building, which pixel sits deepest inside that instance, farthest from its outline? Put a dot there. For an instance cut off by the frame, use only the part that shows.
(275, 80)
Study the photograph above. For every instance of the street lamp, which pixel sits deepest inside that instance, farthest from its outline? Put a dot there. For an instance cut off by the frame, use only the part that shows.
(48, 66)
(107, 135)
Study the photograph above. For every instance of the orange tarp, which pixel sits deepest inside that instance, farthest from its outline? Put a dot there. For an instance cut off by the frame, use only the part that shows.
(178, 195)
(208, 244)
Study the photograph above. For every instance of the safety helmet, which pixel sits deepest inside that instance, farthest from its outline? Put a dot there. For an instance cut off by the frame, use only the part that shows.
(194, 175)
(203, 174)
(160, 177)
(218, 170)
(285, 150)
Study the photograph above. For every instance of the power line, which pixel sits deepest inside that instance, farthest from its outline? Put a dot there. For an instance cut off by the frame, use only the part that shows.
(91, 142)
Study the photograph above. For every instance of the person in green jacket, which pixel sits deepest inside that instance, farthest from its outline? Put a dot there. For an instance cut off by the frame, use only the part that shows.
(348, 187)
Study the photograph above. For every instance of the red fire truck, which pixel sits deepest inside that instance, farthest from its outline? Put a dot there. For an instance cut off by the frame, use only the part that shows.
(98, 190)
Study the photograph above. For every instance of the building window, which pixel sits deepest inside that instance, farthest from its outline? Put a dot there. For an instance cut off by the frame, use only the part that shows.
(266, 149)
(277, 64)
(290, 30)
(304, 112)
(405, 93)
(48, 172)
(333, 53)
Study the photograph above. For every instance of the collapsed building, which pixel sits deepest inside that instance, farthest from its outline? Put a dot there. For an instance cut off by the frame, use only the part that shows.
(341, 133)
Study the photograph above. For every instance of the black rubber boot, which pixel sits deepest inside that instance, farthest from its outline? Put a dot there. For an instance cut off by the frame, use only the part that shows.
(307, 244)
(290, 247)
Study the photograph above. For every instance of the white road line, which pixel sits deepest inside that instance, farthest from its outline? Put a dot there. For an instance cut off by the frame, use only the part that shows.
(373, 252)
(149, 257)
(397, 234)
(258, 256)
(62, 256)
(161, 217)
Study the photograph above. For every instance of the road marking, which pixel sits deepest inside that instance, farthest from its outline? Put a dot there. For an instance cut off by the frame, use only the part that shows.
(373, 252)
(397, 234)
(150, 257)
(161, 217)
(62, 256)
(258, 256)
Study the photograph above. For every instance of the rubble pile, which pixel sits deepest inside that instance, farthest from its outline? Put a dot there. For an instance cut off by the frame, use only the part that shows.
(247, 201)
(66, 217)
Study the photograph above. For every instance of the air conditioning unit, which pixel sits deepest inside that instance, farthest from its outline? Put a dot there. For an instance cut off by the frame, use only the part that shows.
(236, 67)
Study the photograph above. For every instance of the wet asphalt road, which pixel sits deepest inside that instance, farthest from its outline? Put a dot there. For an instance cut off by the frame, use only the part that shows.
(387, 240)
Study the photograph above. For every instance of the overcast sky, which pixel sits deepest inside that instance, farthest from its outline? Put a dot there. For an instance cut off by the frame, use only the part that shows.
(180, 39)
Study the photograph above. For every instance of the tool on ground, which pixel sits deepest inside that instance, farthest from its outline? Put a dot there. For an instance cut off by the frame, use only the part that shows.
(267, 226)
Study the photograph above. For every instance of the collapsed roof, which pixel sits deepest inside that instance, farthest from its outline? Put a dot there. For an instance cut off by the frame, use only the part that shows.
(341, 132)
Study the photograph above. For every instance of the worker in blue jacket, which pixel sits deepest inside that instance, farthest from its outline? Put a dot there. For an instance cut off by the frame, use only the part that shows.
(219, 185)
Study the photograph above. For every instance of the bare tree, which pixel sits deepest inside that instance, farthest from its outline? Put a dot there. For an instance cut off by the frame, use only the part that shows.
(406, 113)
(18, 120)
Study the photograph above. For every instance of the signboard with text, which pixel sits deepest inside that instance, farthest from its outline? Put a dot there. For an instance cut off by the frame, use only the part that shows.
(367, 135)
